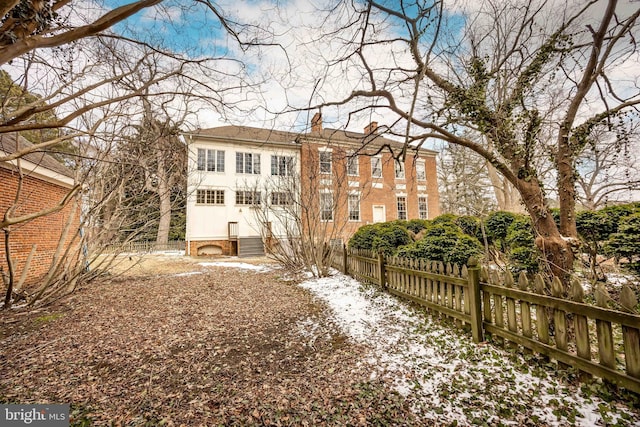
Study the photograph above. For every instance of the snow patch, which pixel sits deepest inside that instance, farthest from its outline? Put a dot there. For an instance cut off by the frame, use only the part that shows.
(440, 371)
(238, 265)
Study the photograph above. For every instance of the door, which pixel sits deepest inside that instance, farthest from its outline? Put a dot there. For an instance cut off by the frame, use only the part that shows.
(379, 214)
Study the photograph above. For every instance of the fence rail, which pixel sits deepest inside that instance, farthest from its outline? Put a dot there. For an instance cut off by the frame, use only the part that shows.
(535, 315)
(145, 246)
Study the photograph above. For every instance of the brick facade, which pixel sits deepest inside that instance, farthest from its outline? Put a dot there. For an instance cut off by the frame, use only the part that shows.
(45, 232)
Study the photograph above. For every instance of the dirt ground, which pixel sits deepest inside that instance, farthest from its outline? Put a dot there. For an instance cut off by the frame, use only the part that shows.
(172, 342)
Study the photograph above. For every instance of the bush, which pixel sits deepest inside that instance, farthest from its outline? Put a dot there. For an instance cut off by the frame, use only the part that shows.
(443, 242)
(470, 225)
(520, 245)
(626, 242)
(497, 224)
(383, 237)
(417, 225)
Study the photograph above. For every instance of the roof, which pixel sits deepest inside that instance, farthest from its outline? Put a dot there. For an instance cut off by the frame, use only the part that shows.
(246, 133)
(9, 145)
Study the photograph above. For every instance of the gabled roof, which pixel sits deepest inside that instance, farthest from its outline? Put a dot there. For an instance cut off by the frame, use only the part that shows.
(337, 136)
(9, 144)
(246, 133)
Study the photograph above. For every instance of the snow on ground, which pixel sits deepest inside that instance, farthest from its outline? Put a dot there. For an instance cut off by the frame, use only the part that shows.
(240, 265)
(445, 376)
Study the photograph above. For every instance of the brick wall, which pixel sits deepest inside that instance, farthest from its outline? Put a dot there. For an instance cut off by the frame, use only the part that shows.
(44, 232)
(225, 245)
(373, 191)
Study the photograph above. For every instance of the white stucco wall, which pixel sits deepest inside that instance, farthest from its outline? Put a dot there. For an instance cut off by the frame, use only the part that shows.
(210, 222)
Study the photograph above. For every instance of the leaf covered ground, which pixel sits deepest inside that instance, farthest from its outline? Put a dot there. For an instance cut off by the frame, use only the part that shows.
(176, 342)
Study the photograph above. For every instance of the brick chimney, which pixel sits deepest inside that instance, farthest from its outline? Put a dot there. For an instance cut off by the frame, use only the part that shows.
(316, 122)
(371, 128)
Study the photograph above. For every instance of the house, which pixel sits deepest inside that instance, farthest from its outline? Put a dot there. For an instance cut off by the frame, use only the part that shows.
(339, 181)
(45, 183)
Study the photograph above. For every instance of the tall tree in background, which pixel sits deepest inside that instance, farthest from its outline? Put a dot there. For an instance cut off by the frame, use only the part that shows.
(464, 183)
(557, 69)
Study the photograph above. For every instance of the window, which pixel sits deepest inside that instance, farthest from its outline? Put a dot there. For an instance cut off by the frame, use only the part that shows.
(326, 206)
(352, 165)
(325, 162)
(282, 165)
(210, 160)
(421, 173)
(248, 163)
(423, 209)
(248, 198)
(210, 197)
(354, 207)
(399, 167)
(281, 198)
(376, 167)
(402, 207)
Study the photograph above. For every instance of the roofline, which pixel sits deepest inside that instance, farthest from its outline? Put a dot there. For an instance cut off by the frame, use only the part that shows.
(38, 171)
(318, 138)
(290, 145)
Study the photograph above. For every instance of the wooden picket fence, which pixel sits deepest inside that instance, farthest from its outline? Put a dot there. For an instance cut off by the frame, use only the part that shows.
(145, 246)
(534, 315)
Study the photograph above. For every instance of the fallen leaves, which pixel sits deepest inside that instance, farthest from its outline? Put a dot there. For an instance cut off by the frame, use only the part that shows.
(225, 347)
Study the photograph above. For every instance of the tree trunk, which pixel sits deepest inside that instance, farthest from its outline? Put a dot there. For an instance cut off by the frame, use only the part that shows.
(567, 190)
(506, 194)
(164, 225)
(556, 250)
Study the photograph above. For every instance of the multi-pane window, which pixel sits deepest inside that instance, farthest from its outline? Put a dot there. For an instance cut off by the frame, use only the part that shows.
(248, 163)
(281, 198)
(210, 160)
(421, 172)
(325, 162)
(423, 209)
(376, 167)
(352, 165)
(399, 167)
(210, 197)
(282, 165)
(402, 207)
(354, 207)
(248, 197)
(326, 206)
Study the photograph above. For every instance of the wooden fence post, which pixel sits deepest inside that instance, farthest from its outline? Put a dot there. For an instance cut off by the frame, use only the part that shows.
(381, 270)
(475, 304)
(345, 265)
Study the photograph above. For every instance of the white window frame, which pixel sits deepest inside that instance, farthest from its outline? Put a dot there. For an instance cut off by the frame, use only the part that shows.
(249, 163)
(404, 201)
(376, 165)
(322, 163)
(353, 167)
(210, 160)
(399, 169)
(423, 202)
(281, 198)
(421, 170)
(323, 206)
(248, 198)
(354, 197)
(282, 165)
(210, 196)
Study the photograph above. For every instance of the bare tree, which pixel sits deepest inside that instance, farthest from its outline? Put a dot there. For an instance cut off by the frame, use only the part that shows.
(607, 170)
(553, 66)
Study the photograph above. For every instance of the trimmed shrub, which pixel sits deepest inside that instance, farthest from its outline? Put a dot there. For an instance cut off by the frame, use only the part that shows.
(520, 244)
(443, 242)
(497, 224)
(626, 242)
(383, 237)
(470, 225)
(417, 225)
